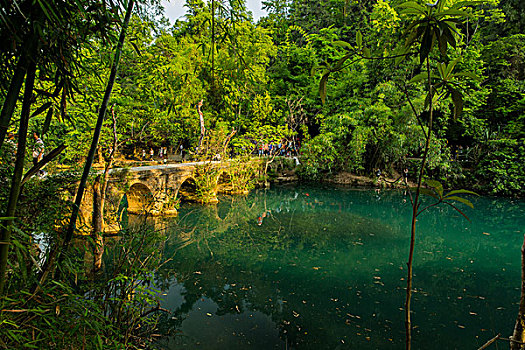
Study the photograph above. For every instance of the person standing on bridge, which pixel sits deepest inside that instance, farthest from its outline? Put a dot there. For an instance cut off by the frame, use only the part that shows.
(201, 120)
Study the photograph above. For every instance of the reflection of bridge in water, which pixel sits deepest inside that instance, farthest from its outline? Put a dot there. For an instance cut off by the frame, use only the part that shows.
(153, 190)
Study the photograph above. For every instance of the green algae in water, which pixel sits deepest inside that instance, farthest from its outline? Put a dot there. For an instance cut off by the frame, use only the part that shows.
(324, 268)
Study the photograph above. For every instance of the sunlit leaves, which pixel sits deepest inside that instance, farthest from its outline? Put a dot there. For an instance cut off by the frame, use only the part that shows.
(384, 18)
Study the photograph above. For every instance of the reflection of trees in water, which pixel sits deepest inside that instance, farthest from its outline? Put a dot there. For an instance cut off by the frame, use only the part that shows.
(239, 264)
(326, 268)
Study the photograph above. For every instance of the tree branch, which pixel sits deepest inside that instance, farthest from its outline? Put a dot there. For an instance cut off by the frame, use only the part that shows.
(419, 122)
(487, 344)
(49, 157)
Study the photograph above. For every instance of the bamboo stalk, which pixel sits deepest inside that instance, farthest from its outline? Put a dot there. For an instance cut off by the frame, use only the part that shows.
(16, 184)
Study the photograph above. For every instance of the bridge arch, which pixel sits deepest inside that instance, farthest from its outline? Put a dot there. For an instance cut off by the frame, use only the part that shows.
(140, 198)
(224, 182)
(187, 190)
(224, 177)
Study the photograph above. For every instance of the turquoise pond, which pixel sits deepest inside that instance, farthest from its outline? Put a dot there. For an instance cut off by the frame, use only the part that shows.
(316, 267)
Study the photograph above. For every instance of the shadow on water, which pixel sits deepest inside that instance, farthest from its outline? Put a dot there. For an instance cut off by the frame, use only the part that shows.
(323, 268)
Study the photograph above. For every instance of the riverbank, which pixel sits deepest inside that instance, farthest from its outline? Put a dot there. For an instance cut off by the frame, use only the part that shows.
(346, 178)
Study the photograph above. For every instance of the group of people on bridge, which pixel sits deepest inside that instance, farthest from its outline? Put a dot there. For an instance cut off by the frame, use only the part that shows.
(284, 148)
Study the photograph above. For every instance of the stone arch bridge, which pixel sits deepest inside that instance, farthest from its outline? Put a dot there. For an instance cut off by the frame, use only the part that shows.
(152, 190)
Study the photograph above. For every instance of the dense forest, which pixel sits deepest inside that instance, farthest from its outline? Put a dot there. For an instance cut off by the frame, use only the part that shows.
(351, 86)
(263, 79)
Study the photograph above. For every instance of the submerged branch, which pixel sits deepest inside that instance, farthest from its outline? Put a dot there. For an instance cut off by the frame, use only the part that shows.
(487, 344)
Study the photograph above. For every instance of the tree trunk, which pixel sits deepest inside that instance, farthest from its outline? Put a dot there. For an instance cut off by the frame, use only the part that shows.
(98, 224)
(96, 133)
(213, 44)
(14, 87)
(5, 231)
(519, 328)
(415, 207)
(99, 201)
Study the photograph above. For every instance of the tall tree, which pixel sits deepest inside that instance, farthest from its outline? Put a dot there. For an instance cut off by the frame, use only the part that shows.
(44, 38)
(96, 133)
(59, 28)
(429, 31)
(6, 228)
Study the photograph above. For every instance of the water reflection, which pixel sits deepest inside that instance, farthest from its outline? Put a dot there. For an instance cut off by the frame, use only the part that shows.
(324, 268)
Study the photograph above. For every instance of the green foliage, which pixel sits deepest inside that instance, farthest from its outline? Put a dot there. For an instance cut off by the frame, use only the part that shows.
(255, 82)
(318, 157)
(242, 173)
(110, 310)
(261, 81)
(501, 169)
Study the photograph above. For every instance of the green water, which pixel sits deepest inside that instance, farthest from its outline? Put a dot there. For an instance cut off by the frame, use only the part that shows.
(324, 268)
